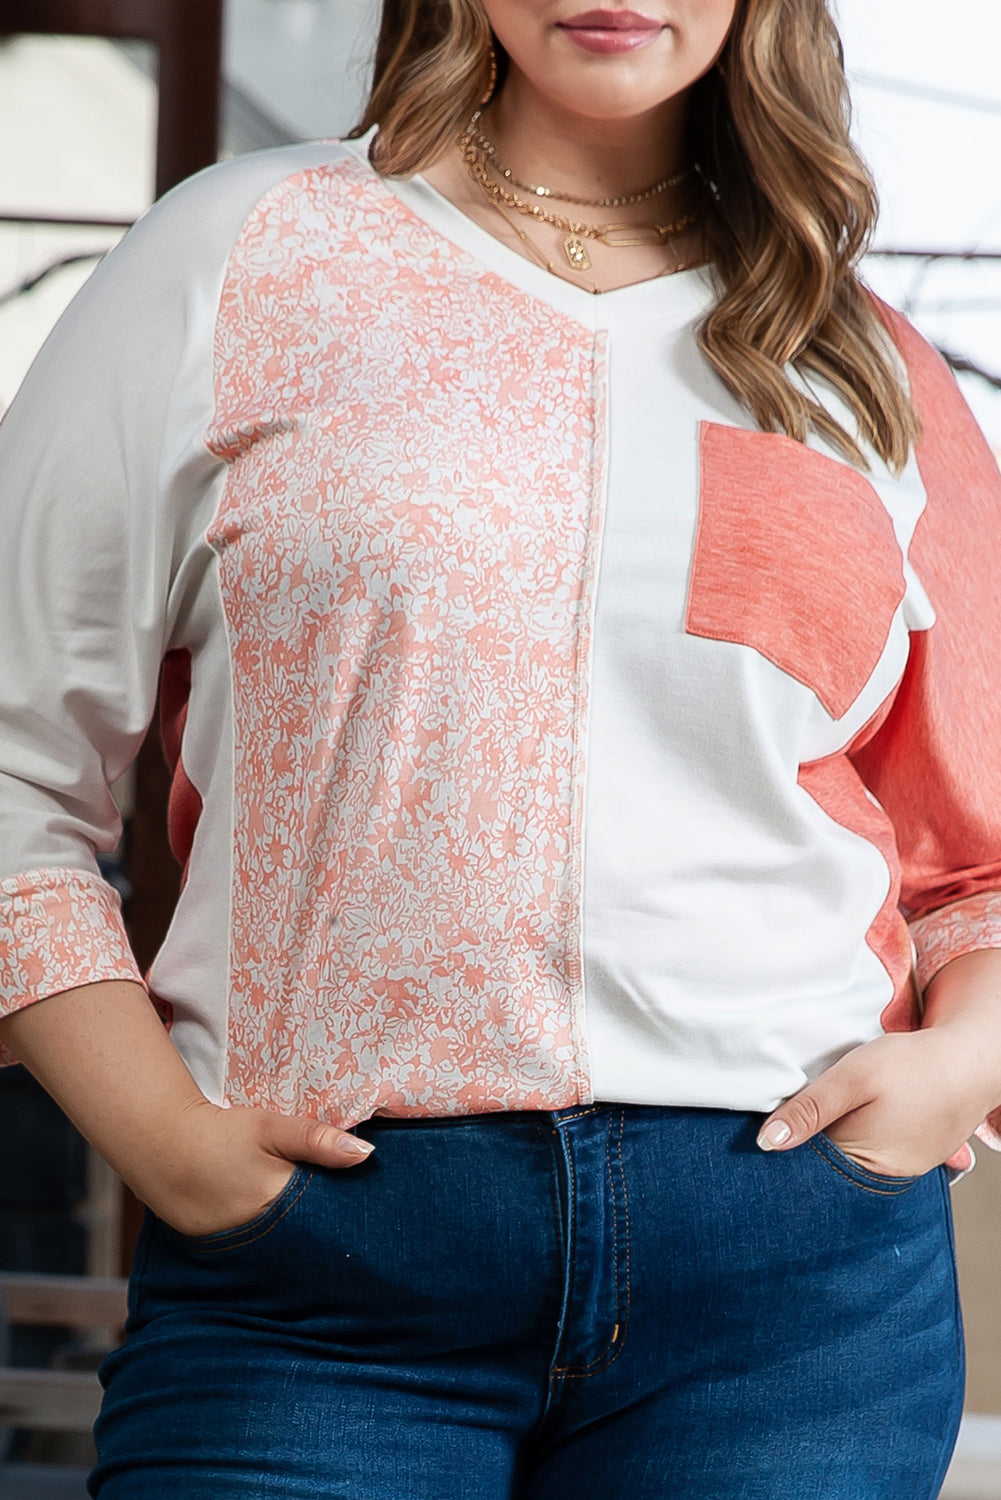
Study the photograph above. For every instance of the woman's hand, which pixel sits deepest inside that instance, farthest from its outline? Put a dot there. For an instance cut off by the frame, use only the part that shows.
(898, 1105)
(102, 1053)
(907, 1101)
(231, 1164)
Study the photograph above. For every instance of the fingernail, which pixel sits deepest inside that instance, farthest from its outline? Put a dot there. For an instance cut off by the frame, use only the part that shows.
(352, 1146)
(774, 1134)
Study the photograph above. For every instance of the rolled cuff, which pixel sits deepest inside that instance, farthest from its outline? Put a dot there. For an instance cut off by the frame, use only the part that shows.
(964, 926)
(59, 929)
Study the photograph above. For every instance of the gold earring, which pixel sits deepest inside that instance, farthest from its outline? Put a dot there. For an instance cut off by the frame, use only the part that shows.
(492, 84)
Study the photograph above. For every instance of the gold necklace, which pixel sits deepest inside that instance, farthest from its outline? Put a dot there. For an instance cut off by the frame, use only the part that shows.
(574, 231)
(587, 286)
(489, 150)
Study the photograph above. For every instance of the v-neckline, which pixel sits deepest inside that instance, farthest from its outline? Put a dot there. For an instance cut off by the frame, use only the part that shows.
(675, 299)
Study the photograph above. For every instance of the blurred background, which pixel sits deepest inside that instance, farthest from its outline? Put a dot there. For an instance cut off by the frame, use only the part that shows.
(78, 141)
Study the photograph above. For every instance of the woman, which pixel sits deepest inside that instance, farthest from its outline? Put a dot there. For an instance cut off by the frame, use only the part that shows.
(539, 440)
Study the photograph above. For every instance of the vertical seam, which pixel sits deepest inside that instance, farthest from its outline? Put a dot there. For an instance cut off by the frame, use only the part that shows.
(613, 1349)
(569, 1254)
(615, 1218)
(625, 1204)
(225, 1060)
(593, 537)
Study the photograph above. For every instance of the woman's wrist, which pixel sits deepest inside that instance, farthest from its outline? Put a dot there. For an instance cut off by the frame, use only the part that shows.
(102, 1052)
(962, 1006)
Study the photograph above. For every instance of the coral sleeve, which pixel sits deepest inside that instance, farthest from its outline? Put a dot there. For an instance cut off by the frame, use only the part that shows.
(935, 764)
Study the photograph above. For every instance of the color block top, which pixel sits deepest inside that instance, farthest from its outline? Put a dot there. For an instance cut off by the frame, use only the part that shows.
(542, 731)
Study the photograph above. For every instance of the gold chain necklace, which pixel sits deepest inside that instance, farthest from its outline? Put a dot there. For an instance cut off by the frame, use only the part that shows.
(574, 231)
(489, 150)
(546, 263)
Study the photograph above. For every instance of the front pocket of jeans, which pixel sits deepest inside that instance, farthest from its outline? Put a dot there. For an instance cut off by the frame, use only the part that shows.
(260, 1225)
(795, 557)
(852, 1171)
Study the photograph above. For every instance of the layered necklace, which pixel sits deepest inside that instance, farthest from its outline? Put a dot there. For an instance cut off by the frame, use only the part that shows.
(480, 157)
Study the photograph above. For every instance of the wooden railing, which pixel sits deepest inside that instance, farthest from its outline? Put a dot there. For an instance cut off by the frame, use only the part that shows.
(67, 1400)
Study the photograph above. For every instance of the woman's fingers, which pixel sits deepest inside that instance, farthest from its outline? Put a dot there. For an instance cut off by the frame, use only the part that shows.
(835, 1093)
(903, 1102)
(298, 1138)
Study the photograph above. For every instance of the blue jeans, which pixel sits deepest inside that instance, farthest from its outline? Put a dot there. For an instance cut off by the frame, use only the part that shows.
(609, 1302)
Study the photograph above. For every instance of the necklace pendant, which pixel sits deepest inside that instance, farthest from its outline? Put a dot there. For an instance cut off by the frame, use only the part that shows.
(576, 253)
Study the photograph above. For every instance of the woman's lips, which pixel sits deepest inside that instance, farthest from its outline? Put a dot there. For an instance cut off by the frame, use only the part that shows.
(611, 31)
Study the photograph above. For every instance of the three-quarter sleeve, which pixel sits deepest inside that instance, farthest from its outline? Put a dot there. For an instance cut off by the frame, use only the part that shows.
(87, 552)
(935, 763)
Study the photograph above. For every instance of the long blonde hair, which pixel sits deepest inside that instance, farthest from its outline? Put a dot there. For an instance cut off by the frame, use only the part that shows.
(790, 205)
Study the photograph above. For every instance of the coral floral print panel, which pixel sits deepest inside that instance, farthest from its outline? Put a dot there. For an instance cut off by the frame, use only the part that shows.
(796, 556)
(407, 551)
